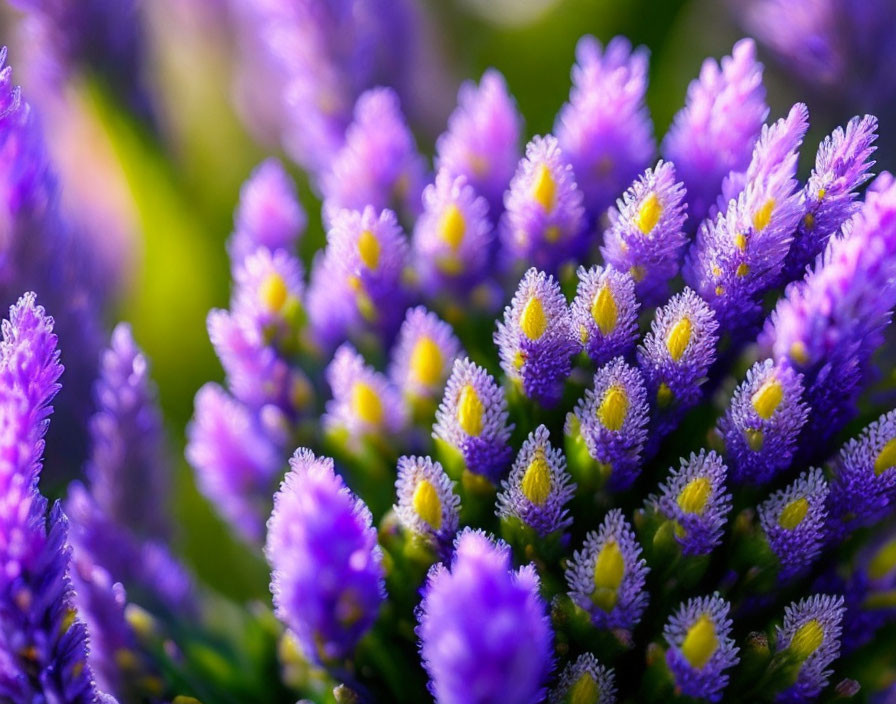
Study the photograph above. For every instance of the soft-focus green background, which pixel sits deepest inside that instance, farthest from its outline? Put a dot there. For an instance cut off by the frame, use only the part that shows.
(185, 181)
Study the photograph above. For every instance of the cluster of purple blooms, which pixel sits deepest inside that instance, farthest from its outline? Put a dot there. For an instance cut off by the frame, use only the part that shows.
(489, 523)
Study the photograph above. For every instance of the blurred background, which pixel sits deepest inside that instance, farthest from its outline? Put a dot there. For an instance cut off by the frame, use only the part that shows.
(151, 156)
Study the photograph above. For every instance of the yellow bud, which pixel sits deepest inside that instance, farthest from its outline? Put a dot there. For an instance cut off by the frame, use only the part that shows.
(695, 494)
(366, 403)
(426, 362)
(822, 193)
(453, 227)
(273, 292)
(664, 395)
(740, 241)
(426, 504)
(369, 249)
(609, 569)
(679, 338)
(638, 273)
(807, 639)
(470, 411)
(884, 561)
(767, 398)
(533, 321)
(886, 458)
(742, 270)
(544, 189)
(762, 216)
(584, 691)
(793, 514)
(700, 642)
(649, 214)
(799, 353)
(755, 439)
(536, 484)
(613, 408)
(604, 310)
(809, 221)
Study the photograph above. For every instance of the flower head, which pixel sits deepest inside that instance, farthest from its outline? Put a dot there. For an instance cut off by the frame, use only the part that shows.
(484, 632)
(472, 419)
(762, 424)
(606, 577)
(423, 355)
(268, 295)
(543, 223)
(585, 681)
(695, 499)
(326, 568)
(538, 487)
(604, 313)
(427, 504)
(535, 339)
(701, 647)
(605, 129)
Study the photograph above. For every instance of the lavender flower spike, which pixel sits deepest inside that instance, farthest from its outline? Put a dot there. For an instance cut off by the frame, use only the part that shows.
(535, 339)
(701, 647)
(863, 489)
(378, 165)
(646, 236)
(326, 568)
(605, 129)
(485, 637)
(842, 164)
(544, 220)
(762, 424)
(585, 681)
(483, 138)
(793, 520)
(426, 503)
(43, 644)
(612, 421)
(364, 402)
(269, 214)
(472, 420)
(606, 577)
(605, 313)
(676, 355)
(539, 487)
(453, 237)
(695, 500)
(738, 256)
(715, 132)
(811, 635)
(423, 356)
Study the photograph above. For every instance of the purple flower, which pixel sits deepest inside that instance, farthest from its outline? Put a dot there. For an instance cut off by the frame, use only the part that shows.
(701, 647)
(606, 577)
(605, 129)
(423, 355)
(645, 237)
(811, 636)
(483, 138)
(484, 633)
(453, 238)
(585, 680)
(472, 420)
(828, 325)
(793, 520)
(762, 423)
(326, 568)
(535, 340)
(43, 644)
(544, 217)
(842, 164)
(715, 132)
(738, 256)
(269, 214)
(356, 283)
(268, 295)
(676, 355)
(427, 504)
(539, 487)
(863, 489)
(364, 403)
(378, 166)
(612, 420)
(128, 470)
(235, 460)
(605, 313)
(695, 499)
